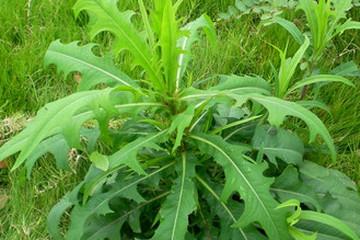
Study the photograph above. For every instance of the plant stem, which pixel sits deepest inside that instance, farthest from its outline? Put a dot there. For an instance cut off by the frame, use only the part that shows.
(311, 67)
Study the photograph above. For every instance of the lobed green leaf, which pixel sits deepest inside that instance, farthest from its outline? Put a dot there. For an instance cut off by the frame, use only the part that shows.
(94, 70)
(248, 180)
(109, 18)
(204, 22)
(278, 109)
(181, 202)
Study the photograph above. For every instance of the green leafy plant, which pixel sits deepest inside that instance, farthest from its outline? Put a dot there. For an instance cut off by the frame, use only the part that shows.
(288, 67)
(324, 20)
(174, 161)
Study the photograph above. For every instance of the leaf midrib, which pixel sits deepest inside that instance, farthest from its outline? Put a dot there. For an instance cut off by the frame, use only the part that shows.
(91, 66)
(130, 41)
(304, 117)
(132, 184)
(211, 94)
(180, 198)
(242, 175)
(142, 143)
(292, 192)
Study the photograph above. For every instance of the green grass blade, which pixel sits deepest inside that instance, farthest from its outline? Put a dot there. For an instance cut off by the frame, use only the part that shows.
(288, 67)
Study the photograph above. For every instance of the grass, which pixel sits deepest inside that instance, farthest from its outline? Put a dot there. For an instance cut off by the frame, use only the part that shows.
(28, 27)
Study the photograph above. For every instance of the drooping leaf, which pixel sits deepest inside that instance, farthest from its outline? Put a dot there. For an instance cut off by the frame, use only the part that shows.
(106, 226)
(339, 194)
(179, 204)
(334, 208)
(278, 143)
(67, 116)
(340, 7)
(278, 109)
(242, 85)
(128, 153)
(324, 232)
(227, 112)
(320, 78)
(300, 215)
(313, 103)
(94, 70)
(248, 180)
(298, 235)
(348, 25)
(56, 145)
(289, 26)
(230, 86)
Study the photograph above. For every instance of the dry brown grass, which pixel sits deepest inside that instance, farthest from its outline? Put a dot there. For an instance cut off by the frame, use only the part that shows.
(11, 125)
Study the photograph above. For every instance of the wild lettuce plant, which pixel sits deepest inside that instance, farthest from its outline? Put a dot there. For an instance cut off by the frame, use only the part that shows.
(184, 162)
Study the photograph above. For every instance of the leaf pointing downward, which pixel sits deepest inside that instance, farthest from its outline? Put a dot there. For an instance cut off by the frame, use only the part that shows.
(65, 116)
(278, 109)
(178, 205)
(247, 179)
